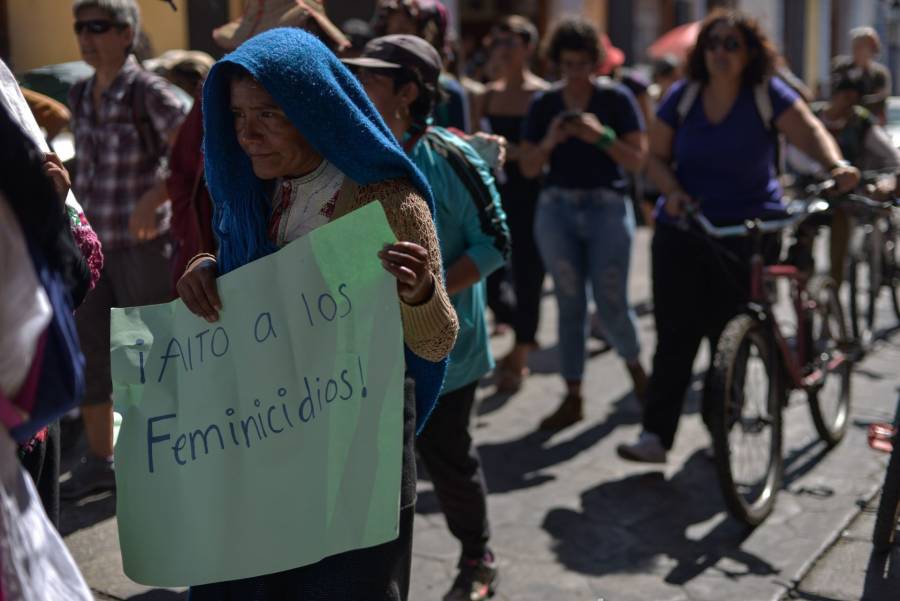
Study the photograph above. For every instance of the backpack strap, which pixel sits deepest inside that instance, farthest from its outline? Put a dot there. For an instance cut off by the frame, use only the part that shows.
(687, 100)
(764, 104)
(479, 190)
(150, 142)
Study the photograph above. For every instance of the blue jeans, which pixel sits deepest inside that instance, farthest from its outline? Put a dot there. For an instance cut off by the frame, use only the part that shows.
(585, 235)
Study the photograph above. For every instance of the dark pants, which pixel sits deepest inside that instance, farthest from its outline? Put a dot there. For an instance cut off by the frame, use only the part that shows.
(137, 275)
(526, 268)
(446, 449)
(696, 290)
(41, 461)
(527, 265)
(499, 298)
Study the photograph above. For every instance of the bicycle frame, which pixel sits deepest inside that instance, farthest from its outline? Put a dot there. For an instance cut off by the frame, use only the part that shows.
(798, 359)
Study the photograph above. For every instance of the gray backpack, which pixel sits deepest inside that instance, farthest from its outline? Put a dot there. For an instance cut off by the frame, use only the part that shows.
(760, 97)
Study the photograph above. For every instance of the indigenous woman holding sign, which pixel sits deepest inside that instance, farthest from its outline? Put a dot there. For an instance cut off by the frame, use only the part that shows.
(292, 143)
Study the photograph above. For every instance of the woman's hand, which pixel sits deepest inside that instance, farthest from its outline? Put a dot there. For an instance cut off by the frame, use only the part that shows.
(677, 203)
(197, 288)
(846, 177)
(142, 223)
(490, 147)
(586, 127)
(408, 262)
(556, 134)
(54, 169)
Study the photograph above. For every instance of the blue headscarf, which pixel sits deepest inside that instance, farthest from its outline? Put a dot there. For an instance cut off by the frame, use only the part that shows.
(327, 105)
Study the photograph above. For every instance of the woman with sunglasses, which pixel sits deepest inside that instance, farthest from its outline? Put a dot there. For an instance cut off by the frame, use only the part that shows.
(124, 120)
(584, 133)
(716, 151)
(501, 110)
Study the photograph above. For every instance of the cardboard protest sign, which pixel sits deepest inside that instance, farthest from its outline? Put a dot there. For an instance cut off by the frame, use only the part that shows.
(272, 438)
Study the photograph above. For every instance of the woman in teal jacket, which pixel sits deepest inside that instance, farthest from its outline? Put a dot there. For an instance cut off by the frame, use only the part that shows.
(400, 75)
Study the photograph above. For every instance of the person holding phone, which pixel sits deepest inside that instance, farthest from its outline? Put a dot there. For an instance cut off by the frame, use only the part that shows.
(585, 133)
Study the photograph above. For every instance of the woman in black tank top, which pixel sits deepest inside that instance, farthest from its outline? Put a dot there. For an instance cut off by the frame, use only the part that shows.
(501, 110)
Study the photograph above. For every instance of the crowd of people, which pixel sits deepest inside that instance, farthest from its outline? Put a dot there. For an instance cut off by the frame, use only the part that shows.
(491, 180)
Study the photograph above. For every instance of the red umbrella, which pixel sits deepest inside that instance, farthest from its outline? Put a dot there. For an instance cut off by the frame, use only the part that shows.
(677, 41)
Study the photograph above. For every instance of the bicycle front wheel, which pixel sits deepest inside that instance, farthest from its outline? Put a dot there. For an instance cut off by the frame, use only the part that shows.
(829, 397)
(744, 411)
(889, 505)
(865, 274)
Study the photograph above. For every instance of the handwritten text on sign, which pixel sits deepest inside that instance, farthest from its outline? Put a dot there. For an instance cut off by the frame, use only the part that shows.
(271, 438)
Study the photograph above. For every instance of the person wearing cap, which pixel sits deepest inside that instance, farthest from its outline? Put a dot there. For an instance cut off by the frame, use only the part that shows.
(293, 143)
(864, 144)
(865, 45)
(501, 110)
(428, 19)
(400, 74)
(584, 134)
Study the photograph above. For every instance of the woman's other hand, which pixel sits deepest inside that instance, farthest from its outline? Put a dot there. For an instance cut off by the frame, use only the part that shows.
(54, 169)
(586, 127)
(408, 263)
(677, 203)
(197, 288)
(846, 177)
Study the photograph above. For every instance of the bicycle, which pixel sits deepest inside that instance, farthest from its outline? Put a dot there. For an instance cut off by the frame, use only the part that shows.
(874, 259)
(754, 367)
(886, 437)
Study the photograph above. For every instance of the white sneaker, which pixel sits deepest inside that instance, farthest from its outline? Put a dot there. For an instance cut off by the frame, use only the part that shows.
(647, 449)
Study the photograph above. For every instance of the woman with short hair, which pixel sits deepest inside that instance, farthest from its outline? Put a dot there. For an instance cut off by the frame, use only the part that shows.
(584, 133)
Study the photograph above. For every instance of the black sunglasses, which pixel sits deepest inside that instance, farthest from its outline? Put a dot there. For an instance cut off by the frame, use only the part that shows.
(96, 26)
(730, 43)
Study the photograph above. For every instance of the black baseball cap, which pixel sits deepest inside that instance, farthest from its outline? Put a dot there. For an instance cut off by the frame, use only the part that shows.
(398, 51)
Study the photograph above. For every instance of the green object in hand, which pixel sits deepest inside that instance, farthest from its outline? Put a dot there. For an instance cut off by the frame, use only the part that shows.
(606, 139)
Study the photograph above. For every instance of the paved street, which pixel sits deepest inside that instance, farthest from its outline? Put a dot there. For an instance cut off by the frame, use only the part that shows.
(571, 521)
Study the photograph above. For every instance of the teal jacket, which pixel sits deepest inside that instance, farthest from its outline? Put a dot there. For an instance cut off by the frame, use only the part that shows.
(465, 227)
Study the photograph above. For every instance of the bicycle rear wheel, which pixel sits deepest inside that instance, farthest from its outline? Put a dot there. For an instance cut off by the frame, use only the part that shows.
(865, 275)
(829, 398)
(744, 410)
(892, 265)
(889, 506)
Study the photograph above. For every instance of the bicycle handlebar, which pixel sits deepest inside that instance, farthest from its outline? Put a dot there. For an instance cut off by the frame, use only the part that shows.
(757, 225)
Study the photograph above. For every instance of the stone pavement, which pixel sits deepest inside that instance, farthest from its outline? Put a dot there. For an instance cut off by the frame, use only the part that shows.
(571, 521)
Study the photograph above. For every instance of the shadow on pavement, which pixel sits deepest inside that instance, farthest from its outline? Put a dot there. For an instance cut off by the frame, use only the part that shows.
(882, 575)
(159, 595)
(86, 512)
(640, 525)
(518, 464)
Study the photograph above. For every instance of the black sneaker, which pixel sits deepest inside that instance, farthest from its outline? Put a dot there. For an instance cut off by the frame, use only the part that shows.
(89, 476)
(476, 581)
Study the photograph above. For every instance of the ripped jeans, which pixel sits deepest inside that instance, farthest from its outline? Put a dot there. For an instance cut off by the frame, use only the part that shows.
(585, 236)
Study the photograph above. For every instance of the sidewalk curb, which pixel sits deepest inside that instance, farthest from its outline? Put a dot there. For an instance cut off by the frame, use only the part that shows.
(826, 546)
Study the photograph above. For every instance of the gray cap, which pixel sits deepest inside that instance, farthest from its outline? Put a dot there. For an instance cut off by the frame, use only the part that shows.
(398, 51)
